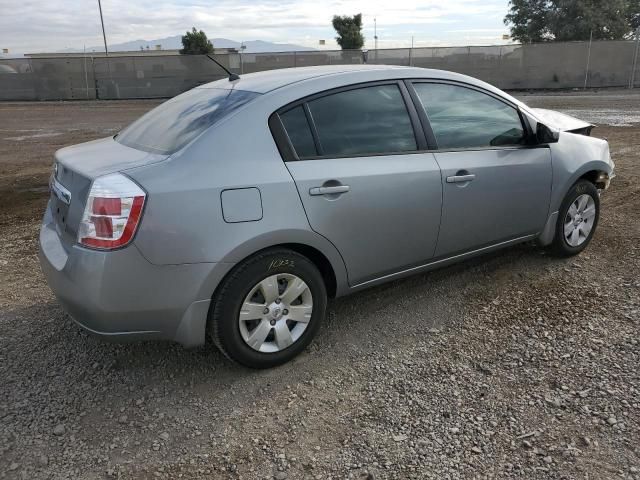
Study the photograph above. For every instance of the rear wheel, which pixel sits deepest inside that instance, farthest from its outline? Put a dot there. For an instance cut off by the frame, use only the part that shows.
(268, 309)
(577, 219)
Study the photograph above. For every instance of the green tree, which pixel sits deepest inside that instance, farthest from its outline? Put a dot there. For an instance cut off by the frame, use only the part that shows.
(633, 14)
(349, 30)
(569, 20)
(529, 20)
(576, 19)
(196, 43)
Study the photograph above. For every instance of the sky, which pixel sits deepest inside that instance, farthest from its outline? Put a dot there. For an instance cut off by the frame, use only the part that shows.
(46, 25)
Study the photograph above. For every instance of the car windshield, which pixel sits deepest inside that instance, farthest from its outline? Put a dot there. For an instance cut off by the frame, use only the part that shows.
(176, 122)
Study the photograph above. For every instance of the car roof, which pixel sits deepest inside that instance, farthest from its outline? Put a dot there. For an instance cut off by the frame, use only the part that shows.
(266, 81)
(318, 78)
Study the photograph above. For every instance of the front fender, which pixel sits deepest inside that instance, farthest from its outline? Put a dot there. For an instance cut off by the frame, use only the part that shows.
(572, 157)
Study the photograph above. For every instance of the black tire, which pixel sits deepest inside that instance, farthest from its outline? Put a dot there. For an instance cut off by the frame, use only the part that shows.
(560, 245)
(223, 325)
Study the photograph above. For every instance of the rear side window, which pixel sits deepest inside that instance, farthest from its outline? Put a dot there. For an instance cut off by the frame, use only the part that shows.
(297, 127)
(176, 122)
(464, 118)
(368, 120)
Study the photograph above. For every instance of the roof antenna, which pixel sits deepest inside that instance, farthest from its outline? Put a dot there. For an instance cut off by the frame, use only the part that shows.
(232, 76)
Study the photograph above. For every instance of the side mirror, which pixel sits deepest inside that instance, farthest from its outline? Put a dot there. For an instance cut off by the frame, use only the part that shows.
(540, 133)
(545, 135)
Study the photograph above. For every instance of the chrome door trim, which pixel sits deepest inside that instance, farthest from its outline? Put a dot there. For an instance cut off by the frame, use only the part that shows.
(329, 190)
(461, 178)
(447, 259)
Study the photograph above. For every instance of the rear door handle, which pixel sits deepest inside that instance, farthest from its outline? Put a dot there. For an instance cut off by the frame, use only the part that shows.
(461, 178)
(329, 190)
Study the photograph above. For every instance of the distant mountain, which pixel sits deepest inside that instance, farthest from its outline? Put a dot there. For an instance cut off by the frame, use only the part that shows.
(175, 42)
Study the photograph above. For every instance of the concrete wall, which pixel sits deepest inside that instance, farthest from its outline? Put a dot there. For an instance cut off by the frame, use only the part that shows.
(153, 76)
(47, 79)
(536, 66)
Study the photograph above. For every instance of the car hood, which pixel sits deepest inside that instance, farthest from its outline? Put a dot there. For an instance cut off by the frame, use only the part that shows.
(561, 121)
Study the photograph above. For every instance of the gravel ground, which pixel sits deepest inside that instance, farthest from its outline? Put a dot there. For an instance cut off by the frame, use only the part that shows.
(514, 365)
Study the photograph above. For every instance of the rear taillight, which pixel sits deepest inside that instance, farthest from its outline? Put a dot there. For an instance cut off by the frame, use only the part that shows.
(112, 213)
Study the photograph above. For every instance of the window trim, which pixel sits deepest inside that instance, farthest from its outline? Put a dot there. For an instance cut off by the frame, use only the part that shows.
(312, 128)
(425, 138)
(287, 150)
(280, 136)
(429, 133)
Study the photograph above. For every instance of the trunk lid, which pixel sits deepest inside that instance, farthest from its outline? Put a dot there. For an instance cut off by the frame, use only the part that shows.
(76, 167)
(101, 157)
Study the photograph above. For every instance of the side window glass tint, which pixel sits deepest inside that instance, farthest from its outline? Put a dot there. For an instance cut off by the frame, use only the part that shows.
(464, 118)
(368, 120)
(296, 125)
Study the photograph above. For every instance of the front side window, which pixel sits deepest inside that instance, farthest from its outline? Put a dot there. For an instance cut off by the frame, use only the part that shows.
(368, 120)
(176, 122)
(464, 118)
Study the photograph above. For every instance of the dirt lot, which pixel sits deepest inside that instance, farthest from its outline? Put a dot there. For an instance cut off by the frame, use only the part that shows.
(512, 365)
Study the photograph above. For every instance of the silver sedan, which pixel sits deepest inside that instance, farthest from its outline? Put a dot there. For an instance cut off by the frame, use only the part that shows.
(233, 211)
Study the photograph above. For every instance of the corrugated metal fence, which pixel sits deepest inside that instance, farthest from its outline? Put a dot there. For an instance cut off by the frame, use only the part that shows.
(535, 66)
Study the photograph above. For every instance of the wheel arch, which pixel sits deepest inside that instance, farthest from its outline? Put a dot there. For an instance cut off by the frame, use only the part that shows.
(308, 243)
(596, 172)
(316, 248)
(589, 171)
(316, 257)
(567, 178)
(598, 177)
(320, 261)
(584, 186)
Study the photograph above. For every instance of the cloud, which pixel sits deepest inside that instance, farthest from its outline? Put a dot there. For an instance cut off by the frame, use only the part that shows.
(42, 25)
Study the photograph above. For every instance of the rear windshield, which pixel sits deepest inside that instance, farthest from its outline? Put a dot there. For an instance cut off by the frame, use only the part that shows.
(176, 122)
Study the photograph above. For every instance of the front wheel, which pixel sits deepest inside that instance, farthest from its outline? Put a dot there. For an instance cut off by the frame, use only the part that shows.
(268, 309)
(577, 219)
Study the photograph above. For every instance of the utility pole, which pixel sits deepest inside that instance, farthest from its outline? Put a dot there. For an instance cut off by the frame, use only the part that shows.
(243, 47)
(632, 82)
(375, 37)
(86, 75)
(411, 53)
(104, 35)
(586, 73)
(106, 53)
(375, 34)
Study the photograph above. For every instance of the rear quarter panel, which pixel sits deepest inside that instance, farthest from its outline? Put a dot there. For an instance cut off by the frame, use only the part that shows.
(183, 220)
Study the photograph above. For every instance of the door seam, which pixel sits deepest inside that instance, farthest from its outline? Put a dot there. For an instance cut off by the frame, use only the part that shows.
(313, 229)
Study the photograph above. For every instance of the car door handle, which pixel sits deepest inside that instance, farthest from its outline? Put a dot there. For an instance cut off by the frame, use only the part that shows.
(461, 178)
(329, 190)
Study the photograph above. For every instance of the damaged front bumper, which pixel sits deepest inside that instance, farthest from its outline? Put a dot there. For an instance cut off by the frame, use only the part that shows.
(603, 181)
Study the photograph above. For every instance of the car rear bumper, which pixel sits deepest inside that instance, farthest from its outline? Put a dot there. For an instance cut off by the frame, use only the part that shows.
(119, 295)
